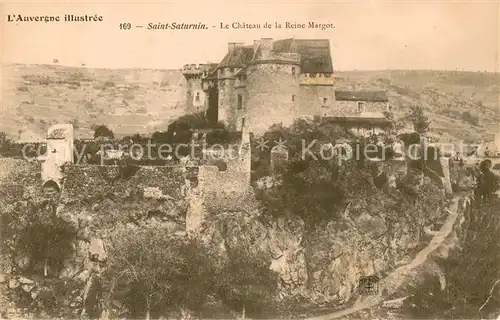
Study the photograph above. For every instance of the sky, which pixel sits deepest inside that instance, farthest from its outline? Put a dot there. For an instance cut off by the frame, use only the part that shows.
(368, 35)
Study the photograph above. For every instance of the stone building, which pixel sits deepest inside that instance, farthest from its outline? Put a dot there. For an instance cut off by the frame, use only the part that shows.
(361, 110)
(271, 82)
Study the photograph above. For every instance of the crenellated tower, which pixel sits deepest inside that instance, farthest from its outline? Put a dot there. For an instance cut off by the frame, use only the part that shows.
(195, 96)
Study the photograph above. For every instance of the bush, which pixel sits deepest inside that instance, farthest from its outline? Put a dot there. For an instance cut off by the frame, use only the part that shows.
(34, 231)
(103, 131)
(469, 118)
(154, 274)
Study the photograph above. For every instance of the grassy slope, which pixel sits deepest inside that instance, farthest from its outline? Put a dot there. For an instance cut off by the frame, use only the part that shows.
(31, 101)
(445, 95)
(36, 96)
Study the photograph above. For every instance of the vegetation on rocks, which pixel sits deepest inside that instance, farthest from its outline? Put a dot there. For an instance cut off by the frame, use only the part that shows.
(472, 273)
(153, 274)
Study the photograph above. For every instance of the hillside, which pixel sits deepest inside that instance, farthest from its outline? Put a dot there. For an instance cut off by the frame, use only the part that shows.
(128, 101)
(143, 101)
(445, 96)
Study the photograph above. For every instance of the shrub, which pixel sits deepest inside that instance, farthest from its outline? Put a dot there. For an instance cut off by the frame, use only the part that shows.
(153, 273)
(33, 230)
(469, 118)
(103, 131)
(417, 117)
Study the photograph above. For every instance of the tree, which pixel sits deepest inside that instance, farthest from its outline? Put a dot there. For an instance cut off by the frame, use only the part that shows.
(395, 125)
(152, 273)
(418, 119)
(103, 131)
(246, 284)
(315, 187)
(5, 142)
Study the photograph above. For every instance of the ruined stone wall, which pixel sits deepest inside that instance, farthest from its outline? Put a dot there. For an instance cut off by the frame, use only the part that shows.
(175, 193)
(273, 93)
(311, 100)
(114, 194)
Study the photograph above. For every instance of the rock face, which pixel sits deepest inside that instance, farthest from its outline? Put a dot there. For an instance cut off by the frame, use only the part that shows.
(326, 263)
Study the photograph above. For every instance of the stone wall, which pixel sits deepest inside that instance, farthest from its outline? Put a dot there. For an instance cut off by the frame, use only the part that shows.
(227, 102)
(311, 100)
(350, 108)
(273, 93)
(175, 193)
(193, 86)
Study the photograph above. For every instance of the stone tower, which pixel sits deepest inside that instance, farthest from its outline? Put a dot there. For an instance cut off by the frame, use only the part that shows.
(273, 84)
(227, 84)
(195, 96)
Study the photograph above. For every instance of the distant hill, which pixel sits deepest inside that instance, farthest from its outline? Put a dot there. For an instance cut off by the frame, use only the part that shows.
(127, 100)
(461, 105)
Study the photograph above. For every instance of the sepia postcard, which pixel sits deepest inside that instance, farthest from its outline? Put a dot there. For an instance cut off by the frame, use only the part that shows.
(250, 160)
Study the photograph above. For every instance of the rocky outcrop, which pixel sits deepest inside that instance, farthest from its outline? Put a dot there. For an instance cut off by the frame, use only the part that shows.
(324, 263)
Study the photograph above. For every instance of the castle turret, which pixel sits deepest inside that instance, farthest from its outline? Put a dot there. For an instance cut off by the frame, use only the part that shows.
(272, 84)
(195, 96)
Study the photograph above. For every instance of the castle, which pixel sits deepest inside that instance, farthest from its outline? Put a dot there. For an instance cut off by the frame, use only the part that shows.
(277, 81)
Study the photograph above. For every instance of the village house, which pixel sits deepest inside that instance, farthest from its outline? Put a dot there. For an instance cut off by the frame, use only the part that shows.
(361, 110)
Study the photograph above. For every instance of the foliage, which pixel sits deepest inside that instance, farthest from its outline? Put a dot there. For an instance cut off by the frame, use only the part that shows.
(32, 230)
(417, 117)
(193, 121)
(152, 272)
(469, 118)
(395, 125)
(297, 138)
(317, 186)
(471, 273)
(246, 282)
(103, 131)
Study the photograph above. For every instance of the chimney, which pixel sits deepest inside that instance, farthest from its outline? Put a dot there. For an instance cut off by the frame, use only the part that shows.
(266, 46)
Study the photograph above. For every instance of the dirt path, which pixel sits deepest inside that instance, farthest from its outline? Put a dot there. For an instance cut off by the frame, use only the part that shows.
(395, 279)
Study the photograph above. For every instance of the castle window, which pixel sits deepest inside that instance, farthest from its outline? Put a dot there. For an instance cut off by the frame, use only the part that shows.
(242, 123)
(293, 97)
(361, 106)
(197, 98)
(240, 102)
(293, 70)
(325, 100)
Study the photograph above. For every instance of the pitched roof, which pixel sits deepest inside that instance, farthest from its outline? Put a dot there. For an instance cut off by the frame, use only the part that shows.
(361, 95)
(238, 57)
(314, 54)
